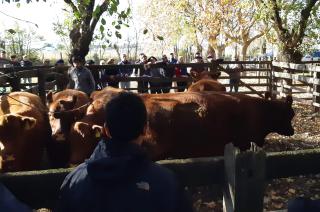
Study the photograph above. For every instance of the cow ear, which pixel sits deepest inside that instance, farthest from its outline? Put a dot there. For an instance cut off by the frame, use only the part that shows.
(289, 99)
(216, 75)
(68, 104)
(28, 123)
(50, 97)
(267, 95)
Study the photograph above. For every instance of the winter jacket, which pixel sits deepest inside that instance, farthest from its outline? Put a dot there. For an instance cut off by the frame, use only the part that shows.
(119, 177)
(81, 79)
(125, 71)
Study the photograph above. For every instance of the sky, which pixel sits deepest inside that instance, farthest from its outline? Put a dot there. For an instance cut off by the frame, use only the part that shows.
(44, 14)
(41, 13)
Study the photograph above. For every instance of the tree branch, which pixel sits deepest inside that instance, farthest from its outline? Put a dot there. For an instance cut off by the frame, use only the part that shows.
(73, 7)
(305, 14)
(103, 8)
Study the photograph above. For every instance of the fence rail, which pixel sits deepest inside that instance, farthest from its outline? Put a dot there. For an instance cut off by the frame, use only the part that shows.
(244, 173)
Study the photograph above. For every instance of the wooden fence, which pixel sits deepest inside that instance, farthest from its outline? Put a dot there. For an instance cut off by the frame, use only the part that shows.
(297, 79)
(302, 81)
(241, 176)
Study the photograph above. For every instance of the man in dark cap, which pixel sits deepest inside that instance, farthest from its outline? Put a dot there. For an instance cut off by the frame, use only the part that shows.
(195, 71)
(119, 176)
(80, 78)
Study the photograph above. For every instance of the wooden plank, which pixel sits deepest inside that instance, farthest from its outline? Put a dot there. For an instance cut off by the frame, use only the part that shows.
(297, 66)
(250, 88)
(41, 86)
(316, 93)
(245, 175)
(229, 172)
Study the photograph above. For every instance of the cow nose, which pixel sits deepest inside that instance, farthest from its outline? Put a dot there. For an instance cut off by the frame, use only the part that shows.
(59, 137)
(1, 146)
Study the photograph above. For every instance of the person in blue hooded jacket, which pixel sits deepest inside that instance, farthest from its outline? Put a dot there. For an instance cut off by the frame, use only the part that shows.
(118, 176)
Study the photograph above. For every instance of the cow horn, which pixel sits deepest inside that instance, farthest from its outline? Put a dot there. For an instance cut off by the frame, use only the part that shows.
(50, 97)
(98, 130)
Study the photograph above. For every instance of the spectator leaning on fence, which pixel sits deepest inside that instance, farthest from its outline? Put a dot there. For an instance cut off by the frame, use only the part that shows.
(168, 73)
(195, 72)
(143, 60)
(80, 77)
(118, 176)
(125, 72)
(155, 73)
(14, 61)
(172, 60)
(181, 72)
(4, 62)
(111, 75)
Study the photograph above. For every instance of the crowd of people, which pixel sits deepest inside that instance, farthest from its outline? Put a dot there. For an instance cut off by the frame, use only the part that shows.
(81, 77)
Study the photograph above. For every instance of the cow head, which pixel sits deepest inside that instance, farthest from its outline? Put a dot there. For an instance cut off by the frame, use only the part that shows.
(13, 128)
(83, 139)
(206, 75)
(283, 117)
(210, 75)
(61, 115)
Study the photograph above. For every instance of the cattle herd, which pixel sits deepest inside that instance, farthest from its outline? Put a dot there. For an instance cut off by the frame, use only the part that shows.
(196, 123)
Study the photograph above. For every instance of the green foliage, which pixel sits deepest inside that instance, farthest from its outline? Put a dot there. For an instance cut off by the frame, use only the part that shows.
(21, 42)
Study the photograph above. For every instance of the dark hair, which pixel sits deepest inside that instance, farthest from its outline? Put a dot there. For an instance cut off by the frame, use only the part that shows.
(13, 56)
(126, 117)
(77, 59)
(90, 62)
(152, 57)
(60, 61)
(3, 52)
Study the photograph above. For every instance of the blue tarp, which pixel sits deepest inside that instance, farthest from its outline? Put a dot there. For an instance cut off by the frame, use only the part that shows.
(316, 53)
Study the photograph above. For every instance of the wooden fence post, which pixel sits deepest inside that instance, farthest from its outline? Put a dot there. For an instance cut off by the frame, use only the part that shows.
(316, 91)
(14, 82)
(244, 180)
(41, 85)
(287, 85)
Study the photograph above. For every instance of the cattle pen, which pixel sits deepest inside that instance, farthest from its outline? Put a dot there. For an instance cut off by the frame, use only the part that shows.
(302, 80)
(240, 176)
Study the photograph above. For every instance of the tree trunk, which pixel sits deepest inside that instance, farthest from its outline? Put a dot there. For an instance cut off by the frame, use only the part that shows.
(80, 42)
(220, 51)
(211, 51)
(244, 51)
(291, 54)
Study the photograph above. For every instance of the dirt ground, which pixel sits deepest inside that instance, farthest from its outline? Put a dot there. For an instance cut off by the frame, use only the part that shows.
(279, 191)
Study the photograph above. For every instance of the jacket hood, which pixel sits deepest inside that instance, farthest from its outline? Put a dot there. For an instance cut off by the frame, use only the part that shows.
(115, 162)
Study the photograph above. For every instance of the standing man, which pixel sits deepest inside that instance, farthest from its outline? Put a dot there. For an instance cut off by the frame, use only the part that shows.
(80, 77)
(14, 61)
(143, 60)
(118, 176)
(172, 60)
(234, 74)
(125, 72)
(25, 62)
(167, 73)
(3, 59)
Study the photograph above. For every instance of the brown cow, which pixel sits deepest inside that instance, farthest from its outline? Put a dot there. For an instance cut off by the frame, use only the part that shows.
(24, 129)
(207, 81)
(182, 125)
(86, 133)
(65, 108)
(200, 124)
